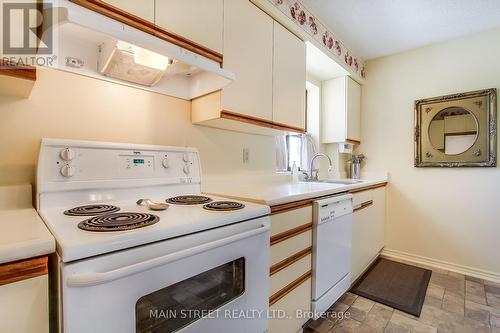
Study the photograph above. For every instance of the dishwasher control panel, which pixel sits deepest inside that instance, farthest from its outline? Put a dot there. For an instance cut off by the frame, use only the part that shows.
(331, 208)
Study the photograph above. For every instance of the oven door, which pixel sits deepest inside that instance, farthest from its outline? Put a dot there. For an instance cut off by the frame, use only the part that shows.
(211, 281)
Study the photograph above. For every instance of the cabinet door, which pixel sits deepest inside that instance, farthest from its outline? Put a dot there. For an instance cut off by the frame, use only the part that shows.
(142, 8)
(378, 219)
(25, 306)
(360, 242)
(297, 300)
(367, 229)
(334, 114)
(200, 21)
(248, 52)
(289, 78)
(353, 97)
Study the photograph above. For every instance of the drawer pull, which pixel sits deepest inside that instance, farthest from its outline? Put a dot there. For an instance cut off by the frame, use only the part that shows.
(289, 261)
(289, 288)
(23, 269)
(278, 209)
(290, 233)
(363, 205)
(368, 188)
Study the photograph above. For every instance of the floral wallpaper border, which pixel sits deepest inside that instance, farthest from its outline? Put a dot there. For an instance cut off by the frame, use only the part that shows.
(295, 11)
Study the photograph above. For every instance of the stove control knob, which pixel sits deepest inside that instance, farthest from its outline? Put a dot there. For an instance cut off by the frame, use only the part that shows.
(67, 154)
(67, 170)
(185, 157)
(165, 163)
(186, 169)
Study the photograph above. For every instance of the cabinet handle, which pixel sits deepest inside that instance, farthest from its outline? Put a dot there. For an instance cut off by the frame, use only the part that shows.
(368, 188)
(290, 260)
(289, 288)
(362, 205)
(23, 269)
(290, 233)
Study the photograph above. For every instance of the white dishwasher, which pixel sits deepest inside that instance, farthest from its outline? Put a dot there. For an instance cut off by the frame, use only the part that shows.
(332, 238)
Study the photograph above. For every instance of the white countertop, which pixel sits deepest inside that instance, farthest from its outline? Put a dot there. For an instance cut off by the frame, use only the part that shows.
(278, 190)
(23, 234)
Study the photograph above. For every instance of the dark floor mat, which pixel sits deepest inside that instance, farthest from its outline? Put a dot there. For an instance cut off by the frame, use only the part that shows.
(397, 285)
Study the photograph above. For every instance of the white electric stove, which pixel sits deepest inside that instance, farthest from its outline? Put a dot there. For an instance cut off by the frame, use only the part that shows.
(179, 261)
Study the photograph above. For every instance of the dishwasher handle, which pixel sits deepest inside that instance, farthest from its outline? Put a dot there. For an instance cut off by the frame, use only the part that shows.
(97, 278)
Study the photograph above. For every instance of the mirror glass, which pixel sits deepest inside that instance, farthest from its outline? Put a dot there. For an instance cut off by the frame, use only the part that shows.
(453, 130)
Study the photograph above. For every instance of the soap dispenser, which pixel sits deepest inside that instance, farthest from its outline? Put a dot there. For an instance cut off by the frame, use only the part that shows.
(295, 173)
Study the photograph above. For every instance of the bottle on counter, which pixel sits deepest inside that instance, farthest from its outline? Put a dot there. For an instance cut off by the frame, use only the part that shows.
(295, 173)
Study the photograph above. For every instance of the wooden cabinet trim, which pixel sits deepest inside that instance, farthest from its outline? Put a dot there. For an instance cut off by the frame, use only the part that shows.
(289, 288)
(259, 122)
(120, 15)
(289, 261)
(23, 269)
(278, 209)
(290, 233)
(354, 142)
(363, 205)
(367, 188)
(17, 71)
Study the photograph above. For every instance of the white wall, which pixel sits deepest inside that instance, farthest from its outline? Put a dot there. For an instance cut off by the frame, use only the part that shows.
(64, 105)
(445, 214)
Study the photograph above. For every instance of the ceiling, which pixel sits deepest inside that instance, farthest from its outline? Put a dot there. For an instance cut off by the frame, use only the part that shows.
(375, 28)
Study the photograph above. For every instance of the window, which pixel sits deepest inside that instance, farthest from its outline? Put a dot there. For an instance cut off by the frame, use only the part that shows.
(294, 144)
(288, 150)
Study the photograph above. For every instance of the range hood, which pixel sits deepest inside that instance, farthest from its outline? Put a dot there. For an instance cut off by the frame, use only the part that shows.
(91, 44)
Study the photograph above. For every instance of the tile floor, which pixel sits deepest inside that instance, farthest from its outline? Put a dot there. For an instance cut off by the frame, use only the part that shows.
(454, 303)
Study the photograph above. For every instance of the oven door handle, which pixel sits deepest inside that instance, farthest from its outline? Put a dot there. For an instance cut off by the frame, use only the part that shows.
(97, 278)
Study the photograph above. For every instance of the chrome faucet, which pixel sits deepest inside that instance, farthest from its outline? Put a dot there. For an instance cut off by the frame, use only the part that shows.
(313, 174)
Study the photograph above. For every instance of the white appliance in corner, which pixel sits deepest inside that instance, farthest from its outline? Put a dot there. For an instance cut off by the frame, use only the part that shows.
(188, 266)
(332, 239)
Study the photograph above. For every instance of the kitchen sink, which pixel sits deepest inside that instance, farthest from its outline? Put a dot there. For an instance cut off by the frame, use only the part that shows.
(336, 181)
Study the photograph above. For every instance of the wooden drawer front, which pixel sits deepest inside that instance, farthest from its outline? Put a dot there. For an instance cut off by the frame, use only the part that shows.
(290, 219)
(361, 197)
(298, 299)
(287, 275)
(282, 250)
(23, 269)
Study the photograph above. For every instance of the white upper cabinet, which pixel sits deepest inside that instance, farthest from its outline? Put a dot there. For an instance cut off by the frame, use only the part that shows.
(341, 110)
(248, 52)
(200, 21)
(289, 78)
(268, 95)
(144, 9)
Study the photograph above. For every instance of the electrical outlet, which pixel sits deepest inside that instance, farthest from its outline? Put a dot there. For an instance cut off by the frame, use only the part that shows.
(246, 155)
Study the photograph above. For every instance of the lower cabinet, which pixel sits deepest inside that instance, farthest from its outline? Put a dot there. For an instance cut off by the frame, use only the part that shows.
(24, 300)
(291, 254)
(296, 302)
(367, 228)
(291, 268)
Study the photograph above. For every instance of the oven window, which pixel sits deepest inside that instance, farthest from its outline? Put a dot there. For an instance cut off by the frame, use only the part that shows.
(173, 307)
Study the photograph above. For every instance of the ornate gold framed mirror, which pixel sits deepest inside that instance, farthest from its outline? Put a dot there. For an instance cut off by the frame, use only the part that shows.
(456, 130)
